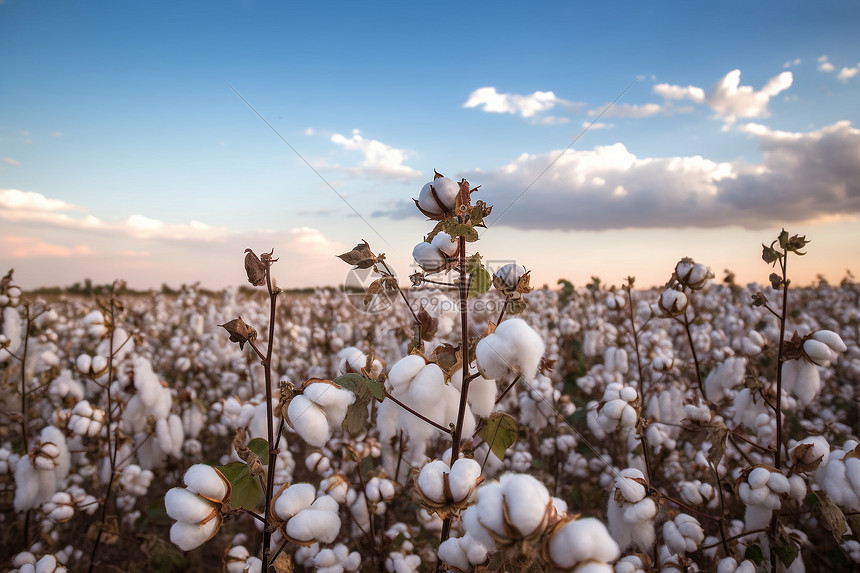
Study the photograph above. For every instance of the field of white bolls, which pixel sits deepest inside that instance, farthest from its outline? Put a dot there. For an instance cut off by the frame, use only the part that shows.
(610, 429)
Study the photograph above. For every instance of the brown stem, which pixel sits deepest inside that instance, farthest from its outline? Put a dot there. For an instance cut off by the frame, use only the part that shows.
(270, 430)
(686, 323)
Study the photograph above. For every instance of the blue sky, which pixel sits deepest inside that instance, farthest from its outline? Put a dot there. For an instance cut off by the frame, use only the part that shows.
(125, 152)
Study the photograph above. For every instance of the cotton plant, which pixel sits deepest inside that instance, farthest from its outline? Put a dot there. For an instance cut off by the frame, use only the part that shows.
(632, 511)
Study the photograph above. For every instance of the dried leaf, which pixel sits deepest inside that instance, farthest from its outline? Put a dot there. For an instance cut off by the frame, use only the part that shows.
(448, 358)
(254, 268)
(239, 331)
(429, 324)
(283, 563)
(360, 256)
(832, 517)
(717, 438)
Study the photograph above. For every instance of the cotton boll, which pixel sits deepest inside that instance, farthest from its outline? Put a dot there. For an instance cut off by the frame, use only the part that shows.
(405, 370)
(446, 190)
(206, 481)
(453, 553)
(818, 352)
(333, 400)
(808, 383)
(431, 481)
(294, 499)
(526, 500)
(633, 491)
(758, 477)
(641, 511)
(186, 506)
(491, 355)
(309, 421)
(429, 257)
(188, 536)
(509, 275)
(831, 339)
(582, 540)
(462, 478)
(482, 393)
(445, 243)
(314, 524)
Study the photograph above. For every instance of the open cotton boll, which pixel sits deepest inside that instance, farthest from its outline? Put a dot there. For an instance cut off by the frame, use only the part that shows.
(188, 536)
(513, 348)
(309, 421)
(581, 540)
(831, 339)
(462, 477)
(186, 506)
(431, 480)
(445, 243)
(206, 481)
(446, 190)
(482, 393)
(429, 257)
(526, 500)
(294, 499)
(405, 370)
(808, 383)
(632, 490)
(314, 525)
(723, 378)
(509, 275)
(333, 400)
(818, 352)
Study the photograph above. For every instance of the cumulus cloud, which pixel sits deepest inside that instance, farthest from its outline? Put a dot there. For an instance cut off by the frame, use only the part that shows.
(803, 176)
(526, 106)
(380, 160)
(824, 65)
(672, 92)
(731, 101)
(31, 207)
(794, 62)
(846, 74)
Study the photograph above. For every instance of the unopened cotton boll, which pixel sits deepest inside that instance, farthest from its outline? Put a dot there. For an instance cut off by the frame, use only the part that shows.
(509, 275)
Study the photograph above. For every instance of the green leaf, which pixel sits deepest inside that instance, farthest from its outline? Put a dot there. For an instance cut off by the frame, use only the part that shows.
(500, 432)
(754, 554)
(357, 416)
(480, 282)
(376, 388)
(457, 229)
(260, 447)
(246, 488)
(784, 547)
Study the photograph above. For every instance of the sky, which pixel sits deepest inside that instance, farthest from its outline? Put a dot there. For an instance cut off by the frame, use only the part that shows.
(156, 141)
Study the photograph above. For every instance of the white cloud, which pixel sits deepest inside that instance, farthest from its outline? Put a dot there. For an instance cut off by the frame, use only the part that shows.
(379, 159)
(310, 131)
(16, 247)
(525, 106)
(31, 207)
(731, 101)
(10, 161)
(824, 65)
(597, 125)
(846, 74)
(794, 62)
(668, 91)
(803, 176)
(628, 110)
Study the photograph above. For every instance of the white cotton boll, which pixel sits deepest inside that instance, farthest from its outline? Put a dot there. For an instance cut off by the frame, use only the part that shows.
(831, 339)
(633, 491)
(818, 352)
(582, 540)
(84, 363)
(430, 480)
(294, 499)
(188, 536)
(757, 516)
(446, 190)
(797, 489)
(638, 512)
(325, 503)
(445, 243)
(752, 496)
(758, 477)
(206, 481)
(473, 522)
(429, 257)
(723, 378)
(461, 479)
(405, 370)
(452, 552)
(186, 506)
(335, 401)
(99, 363)
(778, 483)
(510, 275)
(852, 472)
(309, 421)
(629, 394)
(808, 383)
(314, 525)
(673, 301)
(591, 342)
(528, 343)
(526, 500)
(491, 355)
(162, 434)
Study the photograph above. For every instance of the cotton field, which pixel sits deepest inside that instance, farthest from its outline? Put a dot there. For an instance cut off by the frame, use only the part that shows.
(601, 428)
